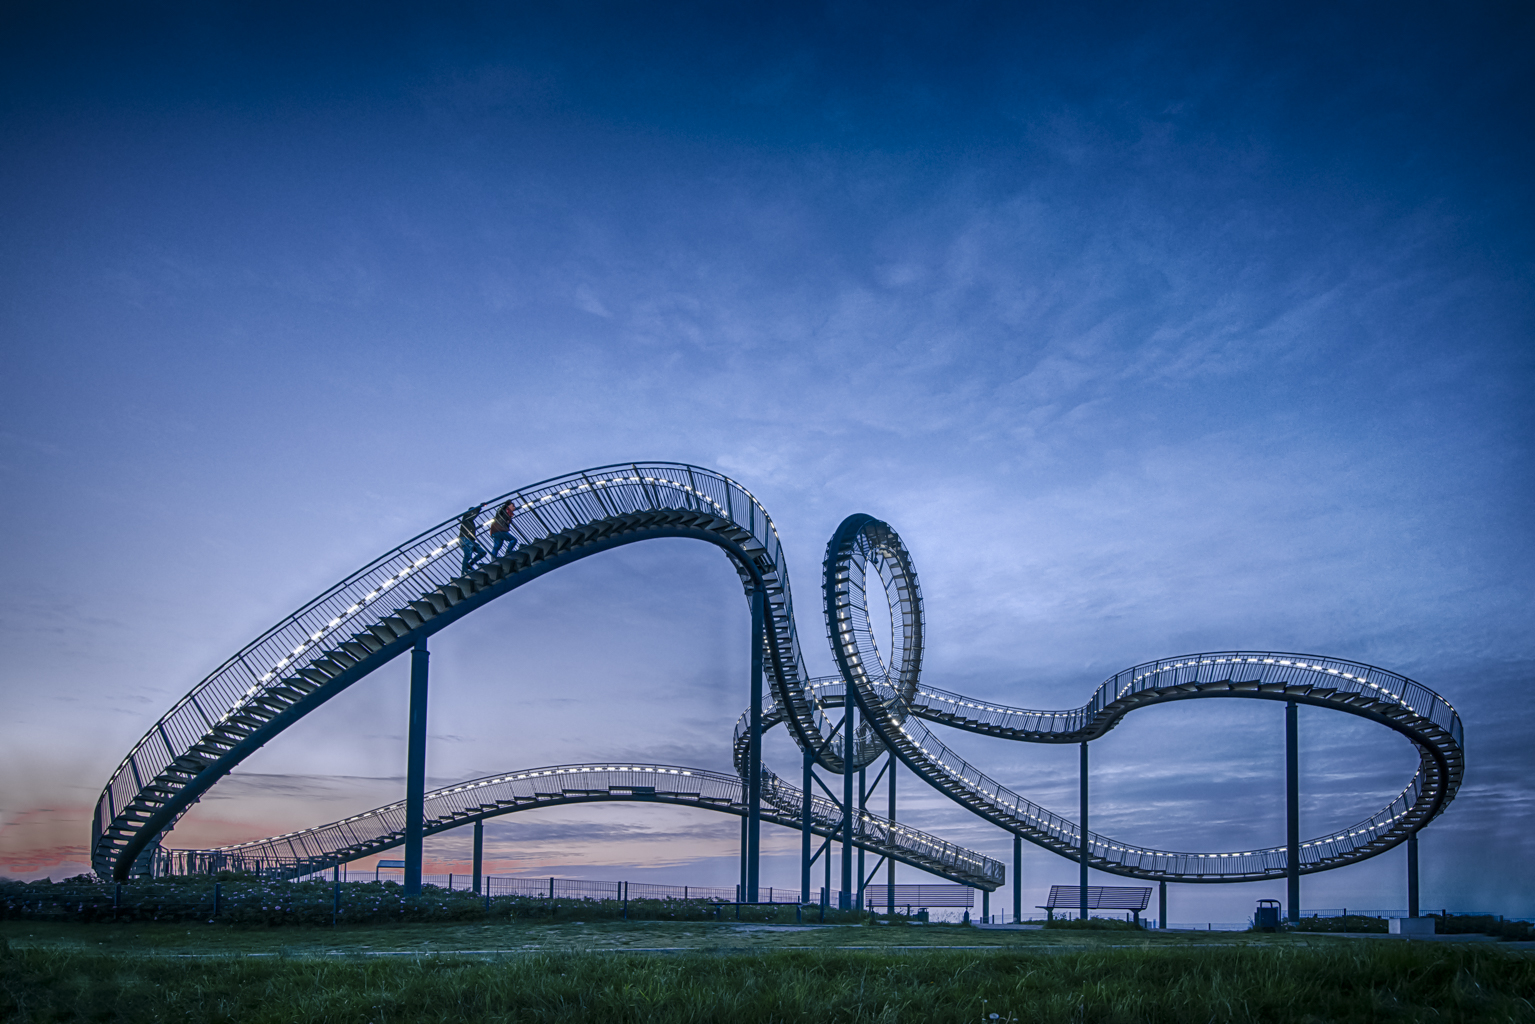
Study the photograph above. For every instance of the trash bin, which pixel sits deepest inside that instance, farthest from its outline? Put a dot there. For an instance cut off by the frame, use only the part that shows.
(1266, 918)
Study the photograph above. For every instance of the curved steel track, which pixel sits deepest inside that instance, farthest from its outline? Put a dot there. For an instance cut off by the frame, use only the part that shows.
(315, 849)
(413, 591)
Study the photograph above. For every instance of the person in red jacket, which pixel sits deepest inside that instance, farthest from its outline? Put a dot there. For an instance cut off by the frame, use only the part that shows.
(501, 530)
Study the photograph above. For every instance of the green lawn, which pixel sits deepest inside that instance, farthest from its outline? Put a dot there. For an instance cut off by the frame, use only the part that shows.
(544, 936)
(570, 971)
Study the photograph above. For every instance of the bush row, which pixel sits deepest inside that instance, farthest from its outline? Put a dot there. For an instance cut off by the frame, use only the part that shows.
(237, 900)
(1444, 924)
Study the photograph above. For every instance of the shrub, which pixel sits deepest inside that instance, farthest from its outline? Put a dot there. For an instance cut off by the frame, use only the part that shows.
(243, 900)
(1107, 924)
(1346, 923)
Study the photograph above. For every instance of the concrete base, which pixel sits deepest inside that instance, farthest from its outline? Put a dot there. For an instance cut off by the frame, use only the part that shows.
(1412, 926)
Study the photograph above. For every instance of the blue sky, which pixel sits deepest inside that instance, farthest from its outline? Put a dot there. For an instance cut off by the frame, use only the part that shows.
(1151, 332)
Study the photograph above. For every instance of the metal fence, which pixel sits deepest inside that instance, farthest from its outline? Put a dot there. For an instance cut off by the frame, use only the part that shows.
(920, 897)
(589, 889)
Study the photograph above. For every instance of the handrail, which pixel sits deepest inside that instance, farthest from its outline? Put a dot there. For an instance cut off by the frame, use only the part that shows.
(420, 586)
(897, 716)
(315, 849)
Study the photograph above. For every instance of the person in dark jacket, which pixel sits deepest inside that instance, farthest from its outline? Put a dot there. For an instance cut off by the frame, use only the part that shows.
(466, 539)
(501, 530)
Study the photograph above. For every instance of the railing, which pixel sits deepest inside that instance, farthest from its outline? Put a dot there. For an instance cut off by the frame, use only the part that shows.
(304, 852)
(425, 562)
(237, 695)
(1425, 717)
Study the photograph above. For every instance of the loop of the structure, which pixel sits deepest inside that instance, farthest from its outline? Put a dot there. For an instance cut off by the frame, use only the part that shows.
(413, 591)
(896, 711)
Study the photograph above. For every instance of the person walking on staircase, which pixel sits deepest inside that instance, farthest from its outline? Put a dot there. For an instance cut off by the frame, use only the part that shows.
(466, 539)
(501, 530)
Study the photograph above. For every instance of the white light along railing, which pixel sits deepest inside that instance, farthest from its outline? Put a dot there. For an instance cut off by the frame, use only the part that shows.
(382, 827)
(1060, 833)
(418, 567)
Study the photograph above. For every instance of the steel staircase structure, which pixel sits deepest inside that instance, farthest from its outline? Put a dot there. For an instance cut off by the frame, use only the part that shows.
(416, 589)
(316, 849)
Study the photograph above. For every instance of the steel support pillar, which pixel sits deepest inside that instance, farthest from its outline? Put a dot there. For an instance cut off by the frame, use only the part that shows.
(1292, 807)
(479, 854)
(845, 894)
(826, 864)
(1017, 878)
(415, 768)
(895, 763)
(1412, 874)
(863, 804)
(745, 833)
(1161, 904)
(1082, 870)
(806, 835)
(754, 772)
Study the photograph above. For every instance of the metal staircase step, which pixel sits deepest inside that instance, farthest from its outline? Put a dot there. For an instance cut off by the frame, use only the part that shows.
(369, 641)
(357, 650)
(383, 633)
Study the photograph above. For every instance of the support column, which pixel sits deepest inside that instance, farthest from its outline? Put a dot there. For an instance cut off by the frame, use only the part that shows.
(745, 833)
(1412, 874)
(826, 864)
(479, 854)
(845, 895)
(1082, 870)
(895, 763)
(1017, 878)
(806, 834)
(415, 768)
(986, 906)
(1292, 807)
(863, 804)
(1161, 904)
(754, 772)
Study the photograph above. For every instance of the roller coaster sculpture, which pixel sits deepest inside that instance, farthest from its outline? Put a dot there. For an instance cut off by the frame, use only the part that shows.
(396, 602)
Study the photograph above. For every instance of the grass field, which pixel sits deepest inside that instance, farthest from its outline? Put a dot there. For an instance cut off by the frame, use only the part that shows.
(609, 971)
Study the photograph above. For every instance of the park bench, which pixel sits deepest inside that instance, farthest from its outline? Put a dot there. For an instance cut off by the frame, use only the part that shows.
(1133, 898)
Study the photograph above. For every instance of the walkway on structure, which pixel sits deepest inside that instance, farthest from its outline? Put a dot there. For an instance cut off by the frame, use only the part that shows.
(383, 828)
(398, 601)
